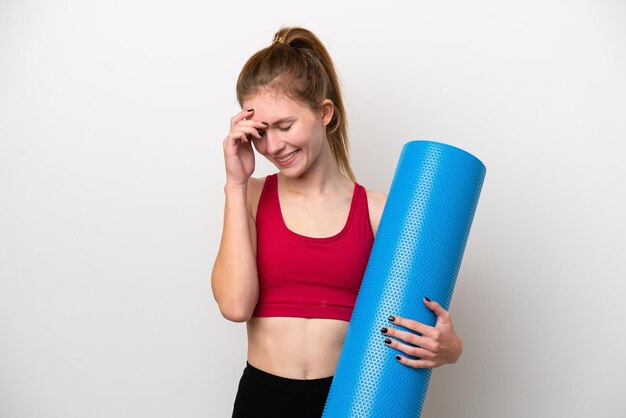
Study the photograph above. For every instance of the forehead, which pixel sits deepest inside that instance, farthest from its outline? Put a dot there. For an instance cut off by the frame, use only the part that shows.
(270, 104)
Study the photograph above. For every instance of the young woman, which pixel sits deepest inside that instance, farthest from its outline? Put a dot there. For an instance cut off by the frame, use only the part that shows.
(295, 244)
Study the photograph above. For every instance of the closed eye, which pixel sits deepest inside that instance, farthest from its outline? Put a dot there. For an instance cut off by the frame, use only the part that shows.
(285, 129)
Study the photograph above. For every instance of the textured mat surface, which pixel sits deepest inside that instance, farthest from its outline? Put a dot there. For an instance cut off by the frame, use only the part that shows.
(417, 252)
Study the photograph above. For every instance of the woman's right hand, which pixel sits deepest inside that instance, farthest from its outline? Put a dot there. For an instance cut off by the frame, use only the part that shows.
(238, 152)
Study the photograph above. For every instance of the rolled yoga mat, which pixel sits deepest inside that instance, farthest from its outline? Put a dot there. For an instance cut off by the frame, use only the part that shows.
(417, 252)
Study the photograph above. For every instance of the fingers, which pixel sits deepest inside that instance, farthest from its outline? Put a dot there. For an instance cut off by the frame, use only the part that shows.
(418, 327)
(410, 350)
(421, 349)
(437, 309)
(240, 116)
(417, 364)
(408, 337)
(242, 128)
(429, 347)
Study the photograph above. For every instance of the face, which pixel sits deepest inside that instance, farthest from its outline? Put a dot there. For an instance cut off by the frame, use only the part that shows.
(295, 139)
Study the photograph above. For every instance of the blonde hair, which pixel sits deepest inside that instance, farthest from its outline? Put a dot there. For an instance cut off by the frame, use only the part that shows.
(298, 65)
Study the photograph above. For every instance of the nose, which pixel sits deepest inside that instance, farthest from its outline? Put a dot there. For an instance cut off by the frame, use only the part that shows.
(274, 143)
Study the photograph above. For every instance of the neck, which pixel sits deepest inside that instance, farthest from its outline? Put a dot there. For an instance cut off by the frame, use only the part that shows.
(322, 177)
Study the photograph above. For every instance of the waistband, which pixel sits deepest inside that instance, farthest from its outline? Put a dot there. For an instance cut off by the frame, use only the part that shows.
(286, 384)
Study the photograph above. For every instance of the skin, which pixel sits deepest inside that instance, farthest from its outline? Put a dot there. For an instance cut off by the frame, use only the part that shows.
(315, 200)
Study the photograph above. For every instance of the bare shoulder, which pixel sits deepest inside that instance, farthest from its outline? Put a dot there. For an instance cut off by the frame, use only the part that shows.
(376, 200)
(376, 203)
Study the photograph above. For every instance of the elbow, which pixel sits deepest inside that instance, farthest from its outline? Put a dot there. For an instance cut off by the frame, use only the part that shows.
(236, 305)
(236, 314)
(236, 310)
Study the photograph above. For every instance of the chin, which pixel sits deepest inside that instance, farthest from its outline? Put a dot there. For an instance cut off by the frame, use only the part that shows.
(287, 172)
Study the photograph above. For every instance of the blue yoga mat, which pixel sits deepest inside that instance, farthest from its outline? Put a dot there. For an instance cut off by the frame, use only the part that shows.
(417, 252)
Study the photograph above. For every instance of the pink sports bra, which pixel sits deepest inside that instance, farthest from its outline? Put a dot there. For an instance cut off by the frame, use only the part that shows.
(309, 277)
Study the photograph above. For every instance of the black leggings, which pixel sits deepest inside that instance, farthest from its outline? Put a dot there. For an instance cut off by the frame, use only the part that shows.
(262, 394)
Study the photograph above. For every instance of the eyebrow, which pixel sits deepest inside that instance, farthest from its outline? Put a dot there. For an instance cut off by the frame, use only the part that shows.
(287, 119)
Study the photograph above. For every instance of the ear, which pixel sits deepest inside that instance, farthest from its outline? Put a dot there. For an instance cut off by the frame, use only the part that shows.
(328, 110)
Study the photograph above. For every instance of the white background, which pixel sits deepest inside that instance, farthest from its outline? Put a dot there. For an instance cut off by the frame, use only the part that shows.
(112, 116)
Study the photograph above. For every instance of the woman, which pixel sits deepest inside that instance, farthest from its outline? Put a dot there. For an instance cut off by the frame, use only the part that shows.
(296, 243)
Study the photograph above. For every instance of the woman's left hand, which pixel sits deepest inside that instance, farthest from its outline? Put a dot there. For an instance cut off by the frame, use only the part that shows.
(436, 345)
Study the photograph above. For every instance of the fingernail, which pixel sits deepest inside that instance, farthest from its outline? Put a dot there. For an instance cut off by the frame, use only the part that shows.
(392, 318)
(387, 341)
(265, 123)
(249, 110)
(397, 357)
(383, 330)
(427, 299)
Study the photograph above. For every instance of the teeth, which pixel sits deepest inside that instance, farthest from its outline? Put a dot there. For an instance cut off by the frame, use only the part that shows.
(288, 157)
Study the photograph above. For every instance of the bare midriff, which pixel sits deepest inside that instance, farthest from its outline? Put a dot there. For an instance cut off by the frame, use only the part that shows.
(296, 348)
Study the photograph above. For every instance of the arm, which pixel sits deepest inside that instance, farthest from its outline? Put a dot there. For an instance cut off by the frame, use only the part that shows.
(234, 278)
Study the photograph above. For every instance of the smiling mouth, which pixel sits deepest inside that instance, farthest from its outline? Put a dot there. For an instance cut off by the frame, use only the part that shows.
(287, 157)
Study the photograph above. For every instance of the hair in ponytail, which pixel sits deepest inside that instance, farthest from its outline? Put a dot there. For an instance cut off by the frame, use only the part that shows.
(298, 65)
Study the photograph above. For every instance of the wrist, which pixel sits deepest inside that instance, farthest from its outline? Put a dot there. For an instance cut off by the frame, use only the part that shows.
(235, 187)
